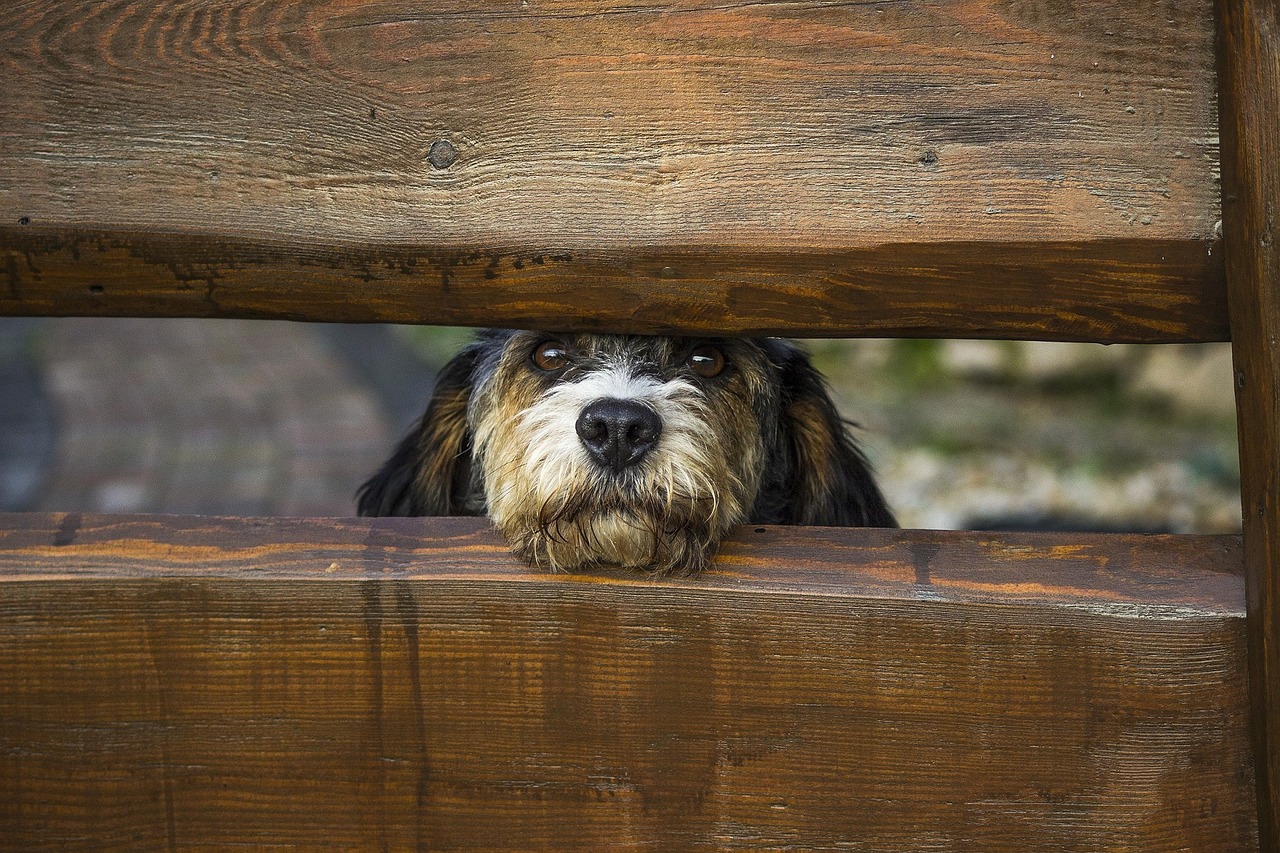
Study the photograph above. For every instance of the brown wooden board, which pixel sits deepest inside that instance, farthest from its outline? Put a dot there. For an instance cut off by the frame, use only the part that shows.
(403, 683)
(1034, 169)
(1251, 185)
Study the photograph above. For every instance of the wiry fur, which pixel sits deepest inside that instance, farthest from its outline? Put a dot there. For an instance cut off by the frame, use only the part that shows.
(760, 443)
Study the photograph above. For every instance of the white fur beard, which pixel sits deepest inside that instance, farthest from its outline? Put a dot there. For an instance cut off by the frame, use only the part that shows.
(562, 511)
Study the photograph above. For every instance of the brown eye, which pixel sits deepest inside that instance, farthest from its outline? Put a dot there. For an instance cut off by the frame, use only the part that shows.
(551, 355)
(706, 361)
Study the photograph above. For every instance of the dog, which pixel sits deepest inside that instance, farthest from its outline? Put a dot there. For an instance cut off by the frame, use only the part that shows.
(588, 450)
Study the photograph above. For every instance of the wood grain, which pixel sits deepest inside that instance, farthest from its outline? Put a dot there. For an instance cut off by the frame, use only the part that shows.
(1113, 292)
(1250, 48)
(893, 168)
(402, 683)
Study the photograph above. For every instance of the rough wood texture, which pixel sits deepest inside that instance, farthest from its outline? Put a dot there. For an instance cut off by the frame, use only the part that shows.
(1030, 169)
(1250, 48)
(402, 683)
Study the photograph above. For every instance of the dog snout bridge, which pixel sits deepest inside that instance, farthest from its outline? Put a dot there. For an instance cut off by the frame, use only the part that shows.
(618, 433)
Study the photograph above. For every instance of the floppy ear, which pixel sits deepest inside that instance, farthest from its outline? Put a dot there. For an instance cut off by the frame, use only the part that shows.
(826, 479)
(430, 471)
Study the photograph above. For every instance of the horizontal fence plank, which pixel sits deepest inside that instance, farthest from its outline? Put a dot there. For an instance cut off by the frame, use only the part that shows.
(915, 168)
(396, 683)
(1123, 291)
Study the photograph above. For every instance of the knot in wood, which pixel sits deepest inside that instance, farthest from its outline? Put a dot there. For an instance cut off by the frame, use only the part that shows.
(442, 154)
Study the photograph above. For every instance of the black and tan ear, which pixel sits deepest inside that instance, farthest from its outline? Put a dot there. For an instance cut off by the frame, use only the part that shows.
(430, 471)
(825, 479)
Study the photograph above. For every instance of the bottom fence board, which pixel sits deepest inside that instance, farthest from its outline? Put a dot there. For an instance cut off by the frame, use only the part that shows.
(171, 682)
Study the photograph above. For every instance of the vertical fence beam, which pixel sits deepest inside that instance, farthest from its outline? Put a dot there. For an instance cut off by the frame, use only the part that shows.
(1249, 75)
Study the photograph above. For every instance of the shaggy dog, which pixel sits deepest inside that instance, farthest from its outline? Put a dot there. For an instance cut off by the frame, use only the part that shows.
(633, 451)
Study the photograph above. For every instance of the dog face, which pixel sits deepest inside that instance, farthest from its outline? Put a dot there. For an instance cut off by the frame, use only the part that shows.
(633, 451)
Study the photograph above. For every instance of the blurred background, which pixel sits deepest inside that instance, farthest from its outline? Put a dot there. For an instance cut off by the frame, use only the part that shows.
(247, 417)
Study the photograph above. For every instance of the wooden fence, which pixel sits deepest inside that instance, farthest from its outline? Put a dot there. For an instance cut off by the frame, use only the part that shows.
(970, 168)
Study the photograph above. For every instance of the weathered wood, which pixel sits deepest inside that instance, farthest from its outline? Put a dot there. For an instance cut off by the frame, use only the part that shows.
(399, 683)
(1114, 292)
(900, 168)
(1250, 49)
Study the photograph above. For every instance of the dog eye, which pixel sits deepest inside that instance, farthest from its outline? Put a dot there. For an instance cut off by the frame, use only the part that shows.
(551, 355)
(706, 361)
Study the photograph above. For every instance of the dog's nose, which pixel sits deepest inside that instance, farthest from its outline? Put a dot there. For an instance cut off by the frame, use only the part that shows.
(618, 433)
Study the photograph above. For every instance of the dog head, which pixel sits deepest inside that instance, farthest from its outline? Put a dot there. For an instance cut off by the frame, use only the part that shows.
(632, 451)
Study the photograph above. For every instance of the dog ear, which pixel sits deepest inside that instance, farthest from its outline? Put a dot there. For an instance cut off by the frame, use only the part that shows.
(430, 471)
(825, 479)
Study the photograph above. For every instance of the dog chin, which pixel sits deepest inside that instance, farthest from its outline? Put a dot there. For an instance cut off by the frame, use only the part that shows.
(626, 538)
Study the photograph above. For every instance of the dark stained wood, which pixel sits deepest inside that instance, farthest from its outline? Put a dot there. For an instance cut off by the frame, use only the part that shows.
(1031, 169)
(1250, 46)
(403, 683)
(1121, 291)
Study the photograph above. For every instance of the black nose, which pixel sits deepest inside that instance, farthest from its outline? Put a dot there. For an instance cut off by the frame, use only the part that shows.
(618, 433)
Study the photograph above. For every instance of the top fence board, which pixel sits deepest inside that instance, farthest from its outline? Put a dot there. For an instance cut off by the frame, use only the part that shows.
(1032, 169)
